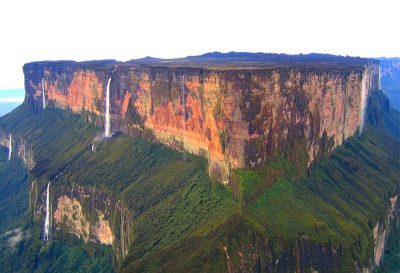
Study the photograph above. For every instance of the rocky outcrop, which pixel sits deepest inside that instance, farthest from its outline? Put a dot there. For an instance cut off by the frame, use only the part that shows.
(69, 212)
(382, 230)
(235, 117)
(84, 212)
(305, 255)
(19, 147)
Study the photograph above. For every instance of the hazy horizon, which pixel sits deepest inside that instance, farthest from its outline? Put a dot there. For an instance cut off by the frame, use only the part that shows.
(10, 99)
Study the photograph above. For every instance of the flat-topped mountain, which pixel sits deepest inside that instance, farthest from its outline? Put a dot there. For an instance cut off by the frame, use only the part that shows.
(114, 166)
(236, 109)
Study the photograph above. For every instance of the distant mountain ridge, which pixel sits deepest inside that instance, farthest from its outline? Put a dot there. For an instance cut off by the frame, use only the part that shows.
(390, 79)
(233, 58)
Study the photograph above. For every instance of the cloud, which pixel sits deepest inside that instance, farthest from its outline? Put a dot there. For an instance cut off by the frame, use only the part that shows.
(15, 236)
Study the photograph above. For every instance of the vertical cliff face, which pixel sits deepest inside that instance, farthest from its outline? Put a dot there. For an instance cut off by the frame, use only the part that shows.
(86, 213)
(306, 256)
(19, 148)
(382, 230)
(235, 117)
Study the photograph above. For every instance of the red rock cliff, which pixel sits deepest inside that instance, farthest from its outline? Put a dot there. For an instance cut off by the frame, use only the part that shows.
(236, 117)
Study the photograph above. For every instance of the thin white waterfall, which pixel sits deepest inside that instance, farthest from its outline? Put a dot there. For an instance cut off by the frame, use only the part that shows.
(47, 221)
(43, 95)
(107, 122)
(380, 77)
(363, 101)
(10, 148)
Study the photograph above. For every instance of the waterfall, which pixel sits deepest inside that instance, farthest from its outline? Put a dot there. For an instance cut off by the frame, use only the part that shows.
(380, 77)
(122, 235)
(43, 95)
(10, 148)
(363, 101)
(107, 125)
(47, 221)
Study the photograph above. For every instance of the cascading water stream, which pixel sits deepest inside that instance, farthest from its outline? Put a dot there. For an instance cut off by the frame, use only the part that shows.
(10, 148)
(43, 95)
(363, 101)
(47, 221)
(107, 117)
(379, 83)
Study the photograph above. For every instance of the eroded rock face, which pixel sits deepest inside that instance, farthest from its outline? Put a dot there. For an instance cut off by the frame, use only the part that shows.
(69, 212)
(102, 230)
(258, 256)
(85, 212)
(235, 118)
(381, 231)
(20, 149)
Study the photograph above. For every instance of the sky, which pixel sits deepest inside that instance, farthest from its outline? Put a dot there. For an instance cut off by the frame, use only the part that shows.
(123, 30)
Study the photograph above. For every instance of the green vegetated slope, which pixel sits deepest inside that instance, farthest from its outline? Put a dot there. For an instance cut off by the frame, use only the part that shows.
(386, 122)
(22, 250)
(55, 139)
(168, 196)
(391, 260)
(183, 221)
(382, 117)
(336, 205)
(13, 190)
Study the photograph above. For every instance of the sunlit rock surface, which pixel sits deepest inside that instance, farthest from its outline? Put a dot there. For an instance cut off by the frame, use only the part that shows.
(234, 116)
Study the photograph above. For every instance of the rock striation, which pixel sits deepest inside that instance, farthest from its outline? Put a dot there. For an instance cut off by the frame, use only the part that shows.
(237, 115)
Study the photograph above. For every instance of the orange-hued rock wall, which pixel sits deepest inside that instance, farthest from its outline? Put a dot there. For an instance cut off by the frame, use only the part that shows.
(234, 117)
